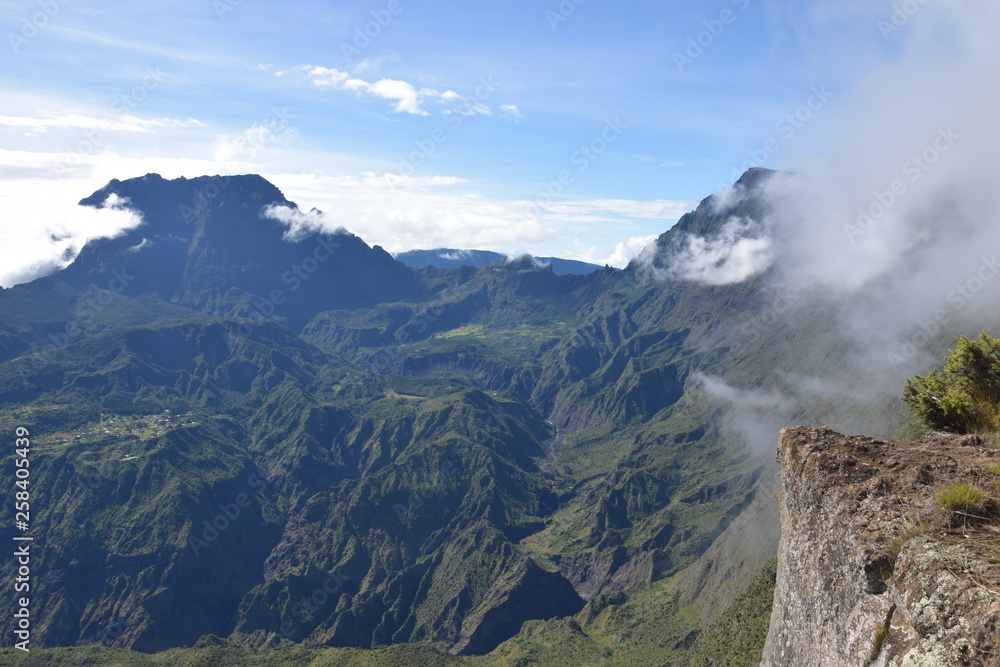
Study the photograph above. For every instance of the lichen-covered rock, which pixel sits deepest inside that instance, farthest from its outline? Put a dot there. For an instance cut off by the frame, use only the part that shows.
(870, 571)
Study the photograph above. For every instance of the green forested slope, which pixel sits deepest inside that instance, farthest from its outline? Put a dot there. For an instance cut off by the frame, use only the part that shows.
(495, 467)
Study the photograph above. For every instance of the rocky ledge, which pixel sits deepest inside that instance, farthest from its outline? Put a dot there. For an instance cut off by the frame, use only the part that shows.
(871, 570)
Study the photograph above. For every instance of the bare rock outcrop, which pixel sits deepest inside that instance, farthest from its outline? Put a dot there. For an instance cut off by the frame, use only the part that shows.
(871, 572)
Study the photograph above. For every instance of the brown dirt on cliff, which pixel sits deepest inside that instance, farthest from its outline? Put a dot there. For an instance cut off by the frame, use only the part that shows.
(909, 475)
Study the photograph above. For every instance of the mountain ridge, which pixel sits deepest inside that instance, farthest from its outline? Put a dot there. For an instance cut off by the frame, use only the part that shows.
(451, 444)
(450, 258)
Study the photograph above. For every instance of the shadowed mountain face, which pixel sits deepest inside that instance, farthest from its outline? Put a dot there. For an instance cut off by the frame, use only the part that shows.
(208, 244)
(273, 440)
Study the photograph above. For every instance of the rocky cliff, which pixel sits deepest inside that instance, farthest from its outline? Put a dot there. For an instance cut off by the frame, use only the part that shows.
(871, 570)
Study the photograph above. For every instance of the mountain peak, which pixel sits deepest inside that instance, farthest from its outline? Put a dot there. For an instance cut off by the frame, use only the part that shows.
(744, 200)
(209, 243)
(201, 189)
(754, 177)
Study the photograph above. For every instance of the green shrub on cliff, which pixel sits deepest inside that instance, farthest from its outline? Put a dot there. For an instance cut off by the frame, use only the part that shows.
(965, 396)
(961, 497)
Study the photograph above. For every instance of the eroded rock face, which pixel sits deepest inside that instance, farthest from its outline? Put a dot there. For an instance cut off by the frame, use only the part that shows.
(870, 571)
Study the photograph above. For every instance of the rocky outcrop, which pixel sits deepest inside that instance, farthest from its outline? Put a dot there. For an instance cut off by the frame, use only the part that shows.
(871, 572)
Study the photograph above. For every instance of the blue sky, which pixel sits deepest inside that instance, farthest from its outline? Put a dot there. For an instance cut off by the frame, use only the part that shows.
(447, 124)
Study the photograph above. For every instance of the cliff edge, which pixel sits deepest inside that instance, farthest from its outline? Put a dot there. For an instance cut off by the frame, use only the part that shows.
(871, 571)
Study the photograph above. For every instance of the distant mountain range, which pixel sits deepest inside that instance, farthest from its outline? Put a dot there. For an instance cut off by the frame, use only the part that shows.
(244, 440)
(449, 258)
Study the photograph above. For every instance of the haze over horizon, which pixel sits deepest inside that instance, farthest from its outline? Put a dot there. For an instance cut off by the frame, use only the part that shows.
(578, 130)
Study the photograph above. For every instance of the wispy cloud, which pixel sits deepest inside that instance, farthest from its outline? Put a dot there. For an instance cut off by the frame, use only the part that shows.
(405, 212)
(35, 125)
(95, 37)
(374, 64)
(591, 210)
(742, 248)
(243, 146)
(888, 230)
(462, 105)
(405, 97)
(511, 111)
(299, 223)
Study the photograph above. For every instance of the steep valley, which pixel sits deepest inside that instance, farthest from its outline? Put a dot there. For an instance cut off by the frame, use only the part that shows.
(492, 466)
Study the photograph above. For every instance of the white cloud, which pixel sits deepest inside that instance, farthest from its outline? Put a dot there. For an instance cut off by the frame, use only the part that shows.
(300, 224)
(402, 213)
(59, 227)
(199, 58)
(44, 189)
(754, 415)
(891, 234)
(629, 208)
(397, 181)
(511, 111)
(456, 256)
(42, 183)
(35, 125)
(463, 106)
(142, 245)
(741, 249)
(395, 211)
(406, 97)
(406, 212)
(245, 145)
(373, 64)
(322, 77)
(625, 251)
